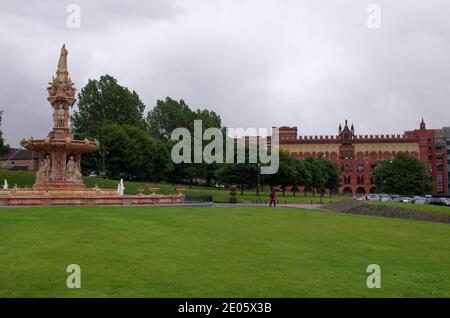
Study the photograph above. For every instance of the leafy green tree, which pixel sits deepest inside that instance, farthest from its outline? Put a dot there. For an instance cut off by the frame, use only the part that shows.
(403, 175)
(4, 148)
(313, 167)
(302, 177)
(286, 174)
(169, 114)
(243, 174)
(332, 176)
(133, 153)
(102, 102)
(323, 174)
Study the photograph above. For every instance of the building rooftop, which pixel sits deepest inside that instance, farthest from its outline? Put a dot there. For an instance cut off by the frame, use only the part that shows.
(19, 154)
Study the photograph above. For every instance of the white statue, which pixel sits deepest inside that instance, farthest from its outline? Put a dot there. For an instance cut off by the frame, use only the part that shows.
(45, 168)
(60, 117)
(5, 185)
(72, 172)
(120, 187)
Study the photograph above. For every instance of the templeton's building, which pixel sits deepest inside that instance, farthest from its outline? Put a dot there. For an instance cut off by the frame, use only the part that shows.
(357, 155)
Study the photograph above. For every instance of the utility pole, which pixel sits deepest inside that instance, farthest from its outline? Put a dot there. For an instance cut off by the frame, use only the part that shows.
(259, 186)
(321, 173)
(382, 181)
(103, 153)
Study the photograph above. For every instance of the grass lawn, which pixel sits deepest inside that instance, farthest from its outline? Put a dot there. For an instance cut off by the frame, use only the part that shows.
(218, 252)
(26, 179)
(419, 207)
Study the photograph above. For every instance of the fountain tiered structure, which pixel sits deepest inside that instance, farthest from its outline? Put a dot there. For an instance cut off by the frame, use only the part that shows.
(58, 180)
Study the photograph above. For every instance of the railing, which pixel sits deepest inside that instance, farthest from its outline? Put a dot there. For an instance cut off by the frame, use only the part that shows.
(198, 198)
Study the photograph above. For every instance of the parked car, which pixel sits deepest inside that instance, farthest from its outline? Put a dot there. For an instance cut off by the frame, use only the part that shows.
(446, 201)
(394, 197)
(406, 200)
(422, 201)
(385, 197)
(373, 197)
(436, 201)
(93, 174)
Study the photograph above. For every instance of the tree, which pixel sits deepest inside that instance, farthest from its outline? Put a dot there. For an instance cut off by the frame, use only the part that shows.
(133, 153)
(4, 148)
(102, 102)
(286, 174)
(313, 167)
(237, 173)
(332, 176)
(302, 177)
(169, 114)
(404, 175)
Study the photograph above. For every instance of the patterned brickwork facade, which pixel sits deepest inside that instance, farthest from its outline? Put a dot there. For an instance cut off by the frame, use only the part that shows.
(357, 155)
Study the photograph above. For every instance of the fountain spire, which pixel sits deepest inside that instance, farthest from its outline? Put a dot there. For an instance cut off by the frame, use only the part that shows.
(61, 90)
(62, 72)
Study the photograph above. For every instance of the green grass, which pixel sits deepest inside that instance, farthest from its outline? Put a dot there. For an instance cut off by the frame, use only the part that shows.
(218, 252)
(26, 179)
(419, 207)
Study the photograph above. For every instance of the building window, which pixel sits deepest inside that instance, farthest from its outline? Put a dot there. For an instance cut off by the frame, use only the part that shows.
(360, 180)
(440, 179)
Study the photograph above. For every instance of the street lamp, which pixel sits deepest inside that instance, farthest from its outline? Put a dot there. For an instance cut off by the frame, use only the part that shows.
(382, 181)
(104, 153)
(423, 181)
(259, 189)
(321, 172)
(382, 174)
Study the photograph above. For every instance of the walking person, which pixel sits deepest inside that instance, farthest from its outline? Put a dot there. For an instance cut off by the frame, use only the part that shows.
(273, 198)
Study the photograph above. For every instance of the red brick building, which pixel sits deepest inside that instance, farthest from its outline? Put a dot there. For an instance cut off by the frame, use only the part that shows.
(356, 155)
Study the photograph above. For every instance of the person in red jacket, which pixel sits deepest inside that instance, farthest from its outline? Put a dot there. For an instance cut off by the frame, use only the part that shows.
(273, 198)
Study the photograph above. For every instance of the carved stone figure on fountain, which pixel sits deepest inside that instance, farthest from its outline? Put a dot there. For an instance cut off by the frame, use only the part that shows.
(45, 170)
(60, 117)
(72, 172)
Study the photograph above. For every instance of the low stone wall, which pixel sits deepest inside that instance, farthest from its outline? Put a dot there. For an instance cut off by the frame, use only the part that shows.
(364, 208)
(31, 197)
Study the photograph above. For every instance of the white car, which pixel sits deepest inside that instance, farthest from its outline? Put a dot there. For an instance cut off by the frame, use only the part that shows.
(406, 200)
(373, 197)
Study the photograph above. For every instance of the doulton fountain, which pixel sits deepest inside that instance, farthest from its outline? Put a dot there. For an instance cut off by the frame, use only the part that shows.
(58, 179)
(60, 153)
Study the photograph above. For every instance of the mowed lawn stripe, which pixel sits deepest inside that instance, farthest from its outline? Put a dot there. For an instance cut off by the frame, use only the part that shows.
(218, 252)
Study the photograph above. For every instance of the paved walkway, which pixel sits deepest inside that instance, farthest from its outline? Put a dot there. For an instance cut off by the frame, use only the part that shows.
(314, 206)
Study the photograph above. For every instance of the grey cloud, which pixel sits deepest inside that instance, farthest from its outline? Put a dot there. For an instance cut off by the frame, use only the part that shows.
(257, 63)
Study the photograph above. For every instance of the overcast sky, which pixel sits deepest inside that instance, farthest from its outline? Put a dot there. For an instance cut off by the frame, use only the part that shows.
(259, 63)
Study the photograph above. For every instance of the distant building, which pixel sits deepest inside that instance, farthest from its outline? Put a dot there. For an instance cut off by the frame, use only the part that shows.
(443, 149)
(357, 155)
(20, 159)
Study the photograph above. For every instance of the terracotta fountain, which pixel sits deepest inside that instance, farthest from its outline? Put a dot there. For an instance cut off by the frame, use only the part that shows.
(58, 180)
